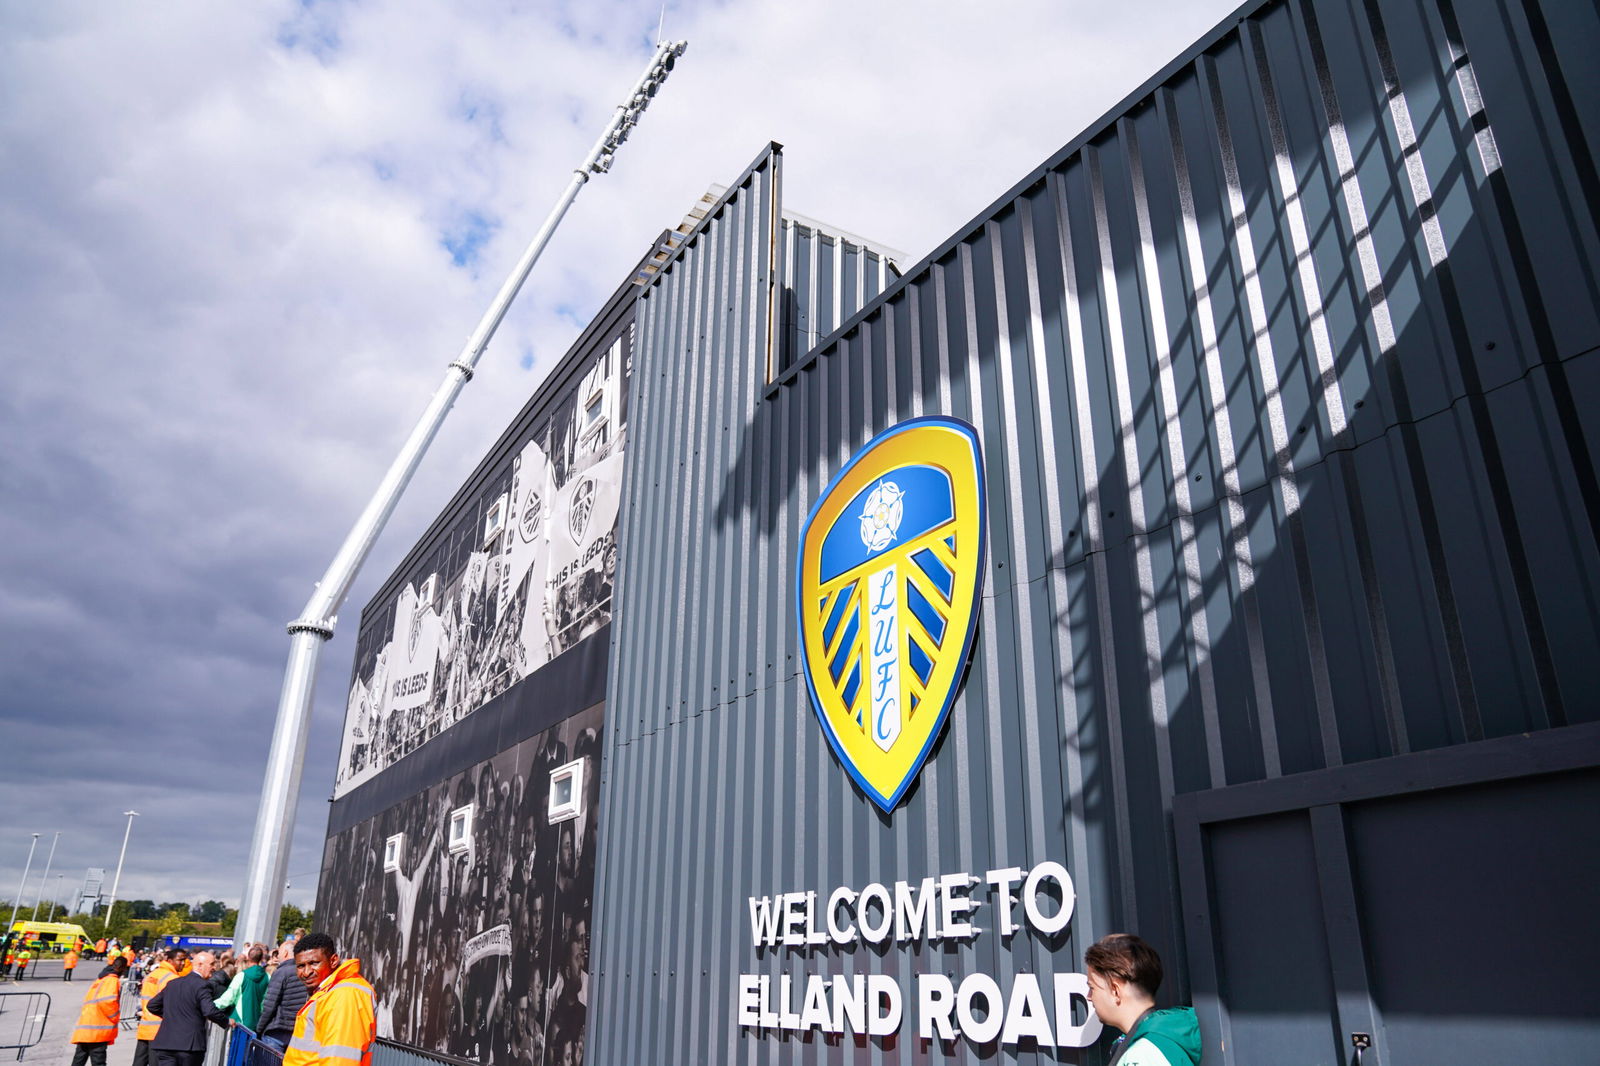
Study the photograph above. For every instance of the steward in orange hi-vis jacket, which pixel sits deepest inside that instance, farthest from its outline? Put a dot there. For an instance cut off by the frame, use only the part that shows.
(177, 965)
(337, 1025)
(97, 1021)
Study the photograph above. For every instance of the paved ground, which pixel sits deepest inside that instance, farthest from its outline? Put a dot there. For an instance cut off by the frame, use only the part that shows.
(20, 1007)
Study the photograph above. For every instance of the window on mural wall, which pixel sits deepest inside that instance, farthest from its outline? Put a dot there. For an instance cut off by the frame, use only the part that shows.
(460, 833)
(494, 521)
(394, 852)
(566, 791)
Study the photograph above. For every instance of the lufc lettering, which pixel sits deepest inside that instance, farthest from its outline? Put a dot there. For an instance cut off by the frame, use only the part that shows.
(1050, 1011)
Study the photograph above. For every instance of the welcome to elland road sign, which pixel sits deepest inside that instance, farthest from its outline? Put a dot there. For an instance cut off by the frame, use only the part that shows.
(890, 572)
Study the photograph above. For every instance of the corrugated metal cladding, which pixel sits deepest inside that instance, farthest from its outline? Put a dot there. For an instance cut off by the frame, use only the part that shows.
(827, 278)
(1279, 373)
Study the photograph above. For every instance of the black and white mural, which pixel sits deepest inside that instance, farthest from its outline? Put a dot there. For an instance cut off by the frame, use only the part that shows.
(478, 947)
(526, 575)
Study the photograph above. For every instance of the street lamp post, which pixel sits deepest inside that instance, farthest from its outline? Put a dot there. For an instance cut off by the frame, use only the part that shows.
(117, 881)
(46, 878)
(24, 882)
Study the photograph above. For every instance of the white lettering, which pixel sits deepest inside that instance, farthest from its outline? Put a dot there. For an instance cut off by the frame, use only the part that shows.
(841, 934)
(792, 917)
(886, 1005)
(814, 1011)
(953, 903)
(883, 655)
(869, 933)
(813, 934)
(787, 1019)
(914, 915)
(767, 1019)
(764, 920)
(849, 1003)
(1002, 882)
(979, 1030)
(749, 999)
(1025, 1013)
(936, 1001)
(1030, 898)
(1069, 987)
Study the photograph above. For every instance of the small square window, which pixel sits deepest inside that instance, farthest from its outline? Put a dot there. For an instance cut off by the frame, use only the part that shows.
(494, 521)
(460, 835)
(566, 791)
(394, 850)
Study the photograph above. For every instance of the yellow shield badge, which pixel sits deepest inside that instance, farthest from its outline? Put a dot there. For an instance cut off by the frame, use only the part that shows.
(891, 568)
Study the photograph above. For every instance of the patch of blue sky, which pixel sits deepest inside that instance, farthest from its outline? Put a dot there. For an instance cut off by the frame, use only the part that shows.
(467, 237)
(526, 362)
(312, 29)
(571, 314)
(383, 170)
(481, 111)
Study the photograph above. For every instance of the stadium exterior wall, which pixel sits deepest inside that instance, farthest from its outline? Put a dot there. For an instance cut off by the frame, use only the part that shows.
(1280, 374)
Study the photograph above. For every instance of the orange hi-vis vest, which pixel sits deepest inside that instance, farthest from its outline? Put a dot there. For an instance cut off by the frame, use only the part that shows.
(337, 1025)
(102, 1010)
(149, 1023)
(71, 961)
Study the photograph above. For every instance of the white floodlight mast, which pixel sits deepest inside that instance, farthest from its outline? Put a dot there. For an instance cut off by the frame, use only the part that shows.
(269, 846)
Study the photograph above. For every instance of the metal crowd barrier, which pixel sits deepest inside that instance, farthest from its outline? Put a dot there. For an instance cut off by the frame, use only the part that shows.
(393, 1053)
(23, 1016)
(245, 1048)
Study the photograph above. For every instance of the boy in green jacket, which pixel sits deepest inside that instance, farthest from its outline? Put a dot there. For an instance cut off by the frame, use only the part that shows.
(1124, 973)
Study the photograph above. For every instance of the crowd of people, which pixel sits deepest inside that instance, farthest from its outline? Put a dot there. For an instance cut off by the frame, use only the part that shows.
(299, 996)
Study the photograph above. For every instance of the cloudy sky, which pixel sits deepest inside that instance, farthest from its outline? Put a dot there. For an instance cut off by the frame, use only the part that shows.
(238, 243)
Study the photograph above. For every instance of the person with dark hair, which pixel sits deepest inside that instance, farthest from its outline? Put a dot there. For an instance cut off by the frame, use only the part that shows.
(284, 997)
(1124, 973)
(98, 1019)
(340, 1020)
(244, 994)
(175, 965)
(184, 1005)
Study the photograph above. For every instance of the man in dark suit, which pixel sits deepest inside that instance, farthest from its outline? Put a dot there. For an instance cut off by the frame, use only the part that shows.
(184, 1006)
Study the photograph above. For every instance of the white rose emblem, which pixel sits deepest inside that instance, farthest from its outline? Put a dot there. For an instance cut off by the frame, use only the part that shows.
(880, 518)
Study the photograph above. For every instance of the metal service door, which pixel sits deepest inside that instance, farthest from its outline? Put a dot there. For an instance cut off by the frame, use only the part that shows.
(1435, 908)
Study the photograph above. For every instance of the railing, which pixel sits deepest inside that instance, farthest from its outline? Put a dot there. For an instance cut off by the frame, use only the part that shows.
(246, 1048)
(23, 1016)
(392, 1053)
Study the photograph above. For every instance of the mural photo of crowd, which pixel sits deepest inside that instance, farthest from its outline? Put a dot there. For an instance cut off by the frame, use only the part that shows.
(529, 575)
(470, 909)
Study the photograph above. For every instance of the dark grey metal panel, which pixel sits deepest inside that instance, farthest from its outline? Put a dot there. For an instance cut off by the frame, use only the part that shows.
(1278, 371)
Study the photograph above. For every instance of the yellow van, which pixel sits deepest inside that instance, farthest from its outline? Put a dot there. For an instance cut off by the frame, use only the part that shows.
(58, 937)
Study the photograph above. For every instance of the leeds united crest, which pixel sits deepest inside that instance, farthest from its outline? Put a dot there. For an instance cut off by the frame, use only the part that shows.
(891, 568)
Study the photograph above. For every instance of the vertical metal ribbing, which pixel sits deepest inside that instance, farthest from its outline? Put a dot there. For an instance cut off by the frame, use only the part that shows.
(1377, 302)
(838, 285)
(1483, 425)
(1300, 239)
(1017, 405)
(1321, 343)
(1194, 602)
(1237, 523)
(962, 784)
(994, 740)
(1283, 475)
(728, 375)
(698, 264)
(812, 252)
(1054, 486)
(1122, 395)
(1095, 551)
